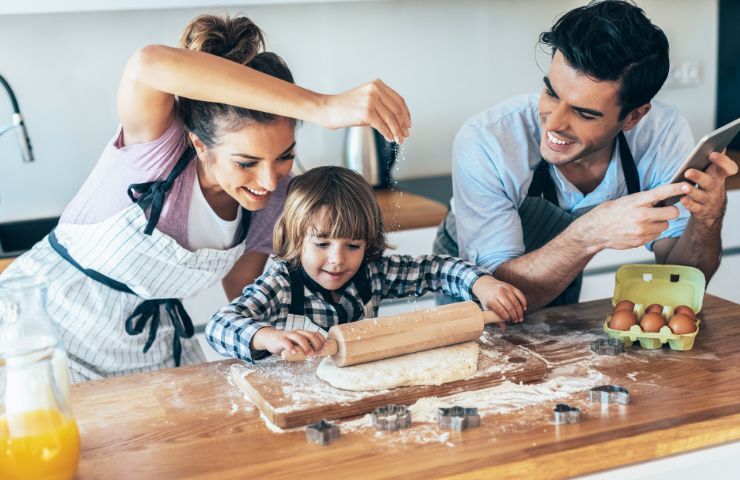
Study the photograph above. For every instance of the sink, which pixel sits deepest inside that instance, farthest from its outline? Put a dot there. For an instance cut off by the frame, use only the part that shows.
(18, 237)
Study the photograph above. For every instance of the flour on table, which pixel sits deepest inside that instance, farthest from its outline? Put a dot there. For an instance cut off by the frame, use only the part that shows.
(430, 367)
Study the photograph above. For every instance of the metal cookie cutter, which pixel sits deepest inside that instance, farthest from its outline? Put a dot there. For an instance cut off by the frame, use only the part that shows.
(563, 413)
(607, 346)
(391, 417)
(458, 418)
(610, 394)
(322, 433)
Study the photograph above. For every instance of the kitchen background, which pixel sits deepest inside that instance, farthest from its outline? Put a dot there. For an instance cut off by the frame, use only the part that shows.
(448, 58)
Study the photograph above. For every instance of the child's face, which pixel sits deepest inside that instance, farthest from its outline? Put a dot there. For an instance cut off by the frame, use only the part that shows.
(331, 262)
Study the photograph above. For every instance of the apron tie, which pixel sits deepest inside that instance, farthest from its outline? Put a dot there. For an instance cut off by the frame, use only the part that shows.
(148, 312)
(150, 194)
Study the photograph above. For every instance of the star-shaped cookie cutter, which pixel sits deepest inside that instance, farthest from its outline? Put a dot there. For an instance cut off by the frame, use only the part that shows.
(458, 418)
(610, 394)
(322, 433)
(391, 417)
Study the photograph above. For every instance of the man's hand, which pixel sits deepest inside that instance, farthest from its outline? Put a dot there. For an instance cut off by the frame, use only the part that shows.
(707, 202)
(275, 341)
(506, 300)
(629, 221)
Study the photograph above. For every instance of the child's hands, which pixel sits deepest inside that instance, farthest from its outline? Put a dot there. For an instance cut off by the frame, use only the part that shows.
(506, 300)
(275, 341)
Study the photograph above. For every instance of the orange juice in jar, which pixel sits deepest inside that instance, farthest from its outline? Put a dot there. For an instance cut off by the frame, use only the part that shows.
(39, 439)
(38, 444)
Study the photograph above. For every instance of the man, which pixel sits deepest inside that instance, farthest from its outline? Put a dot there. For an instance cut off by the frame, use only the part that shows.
(543, 184)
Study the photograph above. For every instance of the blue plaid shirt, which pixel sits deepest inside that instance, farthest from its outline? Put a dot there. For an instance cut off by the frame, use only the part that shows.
(266, 302)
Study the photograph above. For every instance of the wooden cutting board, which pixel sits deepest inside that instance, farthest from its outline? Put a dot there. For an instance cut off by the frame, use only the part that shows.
(290, 394)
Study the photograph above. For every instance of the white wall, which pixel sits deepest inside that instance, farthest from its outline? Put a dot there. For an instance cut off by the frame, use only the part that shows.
(448, 58)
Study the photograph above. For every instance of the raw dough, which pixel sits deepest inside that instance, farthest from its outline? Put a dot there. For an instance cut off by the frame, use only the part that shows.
(430, 367)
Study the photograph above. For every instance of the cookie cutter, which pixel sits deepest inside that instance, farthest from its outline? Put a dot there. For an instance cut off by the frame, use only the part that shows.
(564, 413)
(458, 418)
(391, 417)
(610, 394)
(607, 346)
(322, 433)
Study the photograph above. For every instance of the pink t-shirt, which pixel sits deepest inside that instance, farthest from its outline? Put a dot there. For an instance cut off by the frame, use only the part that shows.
(104, 193)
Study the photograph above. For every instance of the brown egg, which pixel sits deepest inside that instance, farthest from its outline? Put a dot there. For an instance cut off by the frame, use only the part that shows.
(622, 320)
(654, 308)
(683, 309)
(681, 324)
(624, 305)
(652, 322)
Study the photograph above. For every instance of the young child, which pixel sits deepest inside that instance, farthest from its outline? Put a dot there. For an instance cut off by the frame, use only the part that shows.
(330, 269)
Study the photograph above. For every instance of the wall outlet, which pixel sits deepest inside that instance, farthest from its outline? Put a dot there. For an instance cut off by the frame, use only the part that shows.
(684, 74)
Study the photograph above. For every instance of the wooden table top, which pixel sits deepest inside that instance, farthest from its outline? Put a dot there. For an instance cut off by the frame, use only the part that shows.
(404, 211)
(192, 423)
(4, 262)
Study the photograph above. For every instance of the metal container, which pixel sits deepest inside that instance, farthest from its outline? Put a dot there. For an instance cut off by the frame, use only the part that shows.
(369, 154)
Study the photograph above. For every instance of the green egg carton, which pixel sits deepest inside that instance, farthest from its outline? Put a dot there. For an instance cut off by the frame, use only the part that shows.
(668, 285)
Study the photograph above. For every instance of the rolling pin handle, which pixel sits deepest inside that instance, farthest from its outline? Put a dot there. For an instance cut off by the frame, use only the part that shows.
(492, 317)
(330, 348)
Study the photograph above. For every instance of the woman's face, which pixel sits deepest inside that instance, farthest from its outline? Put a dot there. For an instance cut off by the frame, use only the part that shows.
(248, 163)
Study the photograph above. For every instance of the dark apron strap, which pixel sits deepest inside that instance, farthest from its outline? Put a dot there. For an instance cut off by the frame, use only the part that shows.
(297, 306)
(632, 179)
(297, 293)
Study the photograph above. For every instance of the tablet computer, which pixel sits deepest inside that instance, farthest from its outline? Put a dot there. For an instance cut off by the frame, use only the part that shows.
(716, 141)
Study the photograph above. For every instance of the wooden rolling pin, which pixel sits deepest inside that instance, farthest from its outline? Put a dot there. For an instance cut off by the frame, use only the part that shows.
(386, 337)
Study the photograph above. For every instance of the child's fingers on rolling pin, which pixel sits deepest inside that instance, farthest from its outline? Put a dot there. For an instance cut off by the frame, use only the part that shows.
(517, 300)
(309, 342)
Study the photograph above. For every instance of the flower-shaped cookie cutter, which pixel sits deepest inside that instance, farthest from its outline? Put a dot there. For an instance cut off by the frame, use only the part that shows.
(564, 413)
(391, 417)
(607, 346)
(458, 418)
(610, 394)
(322, 433)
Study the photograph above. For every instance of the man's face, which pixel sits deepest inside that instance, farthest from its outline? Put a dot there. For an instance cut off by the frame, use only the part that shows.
(579, 115)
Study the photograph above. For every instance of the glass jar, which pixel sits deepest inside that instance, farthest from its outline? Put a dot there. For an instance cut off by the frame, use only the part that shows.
(38, 434)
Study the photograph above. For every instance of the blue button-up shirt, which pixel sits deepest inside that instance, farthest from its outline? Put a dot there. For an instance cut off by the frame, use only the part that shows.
(496, 152)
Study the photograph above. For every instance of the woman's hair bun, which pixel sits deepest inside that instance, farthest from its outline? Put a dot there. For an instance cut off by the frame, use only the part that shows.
(235, 38)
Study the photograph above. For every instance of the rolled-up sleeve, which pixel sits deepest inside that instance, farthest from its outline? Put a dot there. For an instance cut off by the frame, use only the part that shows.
(672, 150)
(489, 229)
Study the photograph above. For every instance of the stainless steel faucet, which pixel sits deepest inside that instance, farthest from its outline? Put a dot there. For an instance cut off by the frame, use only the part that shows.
(16, 123)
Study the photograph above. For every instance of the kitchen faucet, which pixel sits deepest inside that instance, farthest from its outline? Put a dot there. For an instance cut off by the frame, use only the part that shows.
(16, 122)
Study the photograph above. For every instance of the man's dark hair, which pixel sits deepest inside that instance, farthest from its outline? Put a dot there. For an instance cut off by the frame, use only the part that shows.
(613, 40)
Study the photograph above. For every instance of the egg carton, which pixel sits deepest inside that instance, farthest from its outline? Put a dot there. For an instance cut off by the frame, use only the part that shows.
(653, 340)
(668, 285)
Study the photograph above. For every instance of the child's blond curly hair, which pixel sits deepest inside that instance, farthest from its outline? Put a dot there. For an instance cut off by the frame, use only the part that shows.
(336, 200)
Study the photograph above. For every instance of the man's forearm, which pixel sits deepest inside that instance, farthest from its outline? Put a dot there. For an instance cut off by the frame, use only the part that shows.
(700, 246)
(545, 273)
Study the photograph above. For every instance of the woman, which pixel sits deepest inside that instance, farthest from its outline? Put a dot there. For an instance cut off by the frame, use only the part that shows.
(186, 193)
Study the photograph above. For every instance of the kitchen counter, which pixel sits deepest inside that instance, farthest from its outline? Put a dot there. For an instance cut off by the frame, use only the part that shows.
(191, 422)
(4, 262)
(403, 210)
(733, 182)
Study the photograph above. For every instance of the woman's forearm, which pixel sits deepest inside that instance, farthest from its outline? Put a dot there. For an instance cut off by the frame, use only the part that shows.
(206, 77)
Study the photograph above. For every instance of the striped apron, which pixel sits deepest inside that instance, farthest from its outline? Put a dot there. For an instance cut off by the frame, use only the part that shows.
(111, 281)
(541, 216)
